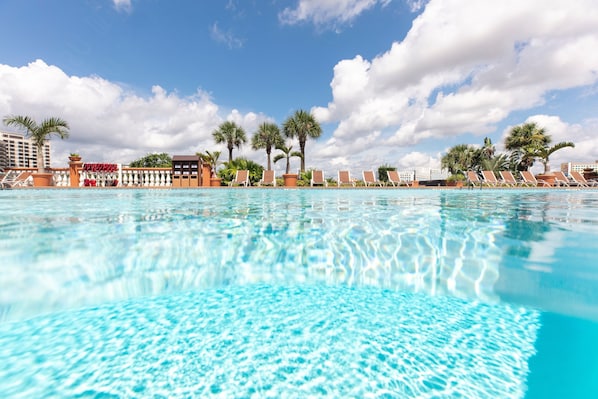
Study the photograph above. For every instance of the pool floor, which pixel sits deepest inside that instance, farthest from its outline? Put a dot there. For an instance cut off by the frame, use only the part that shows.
(272, 342)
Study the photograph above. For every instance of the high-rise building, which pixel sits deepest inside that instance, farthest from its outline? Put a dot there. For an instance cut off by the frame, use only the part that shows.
(578, 166)
(17, 151)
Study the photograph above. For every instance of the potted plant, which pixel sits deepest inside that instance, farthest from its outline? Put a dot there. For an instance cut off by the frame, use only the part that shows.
(39, 133)
(74, 157)
(290, 179)
(455, 180)
(211, 158)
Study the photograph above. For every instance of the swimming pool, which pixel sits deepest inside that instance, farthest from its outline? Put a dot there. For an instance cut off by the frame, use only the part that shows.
(298, 293)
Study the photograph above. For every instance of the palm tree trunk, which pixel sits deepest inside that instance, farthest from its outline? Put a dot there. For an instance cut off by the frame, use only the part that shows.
(41, 168)
(288, 165)
(269, 166)
(302, 147)
(230, 154)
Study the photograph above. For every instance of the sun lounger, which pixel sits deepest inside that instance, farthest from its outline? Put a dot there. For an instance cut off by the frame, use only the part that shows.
(581, 181)
(369, 178)
(395, 179)
(268, 178)
(344, 177)
(241, 178)
(14, 179)
(490, 178)
(473, 178)
(317, 178)
(508, 179)
(562, 180)
(531, 180)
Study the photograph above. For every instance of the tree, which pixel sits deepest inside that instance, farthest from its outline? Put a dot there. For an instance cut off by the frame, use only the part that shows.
(39, 133)
(287, 153)
(162, 160)
(460, 158)
(302, 125)
(544, 153)
(267, 137)
(523, 140)
(230, 134)
(211, 158)
(488, 150)
(227, 174)
(529, 142)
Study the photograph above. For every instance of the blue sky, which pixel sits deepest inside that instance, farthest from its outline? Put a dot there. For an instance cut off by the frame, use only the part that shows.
(391, 81)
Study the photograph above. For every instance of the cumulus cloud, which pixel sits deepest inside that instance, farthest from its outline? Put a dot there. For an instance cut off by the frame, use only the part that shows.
(109, 123)
(123, 5)
(328, 13)
(464, 69)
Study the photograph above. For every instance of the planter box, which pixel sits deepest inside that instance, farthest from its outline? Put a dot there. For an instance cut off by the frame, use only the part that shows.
(215, 182)
(42, 179)
(290, 180)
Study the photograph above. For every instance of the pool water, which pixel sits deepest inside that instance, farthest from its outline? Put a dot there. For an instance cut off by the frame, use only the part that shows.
(299, 293)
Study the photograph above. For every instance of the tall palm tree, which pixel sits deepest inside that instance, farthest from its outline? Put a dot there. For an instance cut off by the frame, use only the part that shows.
(488, 149)
(39, 133)
(287, 153)
(302, 125)
(523, 139)
(228, 132)
(268, 137)
(544, 152)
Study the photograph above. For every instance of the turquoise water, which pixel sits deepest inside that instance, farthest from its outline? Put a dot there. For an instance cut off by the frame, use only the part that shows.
(299, 293)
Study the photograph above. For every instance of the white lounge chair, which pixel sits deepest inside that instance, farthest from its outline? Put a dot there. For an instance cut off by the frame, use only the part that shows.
(14, 178)
(581, 181)
(369, 178)
(241, 178)
(531, 180)
(268, 178)
(344, 177)
(473, 178)
(317, 178)
(395, 179)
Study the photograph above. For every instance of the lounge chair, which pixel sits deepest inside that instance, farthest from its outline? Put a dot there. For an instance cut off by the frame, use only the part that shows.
(241, 178)
(369, 178)
(317, 178)
(14, 179)
(395, 179)
(531, 180)
(508, 179)
(268, 178)
(344, 177)
(581, 181)
(490, 178)
(562, 180)
(473, 178)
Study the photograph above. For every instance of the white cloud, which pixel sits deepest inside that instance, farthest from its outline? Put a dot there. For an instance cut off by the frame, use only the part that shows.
(109, 123)
(328, 13)
(123, 5)
(225, 37)
(464, 69)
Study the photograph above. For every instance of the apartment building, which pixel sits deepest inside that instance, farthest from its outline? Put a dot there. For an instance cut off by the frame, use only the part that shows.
(18, 151)
(578, 166)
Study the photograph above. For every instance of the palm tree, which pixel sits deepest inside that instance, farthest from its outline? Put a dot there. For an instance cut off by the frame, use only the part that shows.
(231, 134)
(39, 133)
(302, 125)
(523, 140)
(544, 153)
(287, 153)
(459, 159)
(488, 149)
(211, 158)
(268, 137)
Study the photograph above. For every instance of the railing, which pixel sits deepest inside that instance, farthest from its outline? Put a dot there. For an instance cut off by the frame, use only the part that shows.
(127, 177)
(123, 177)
